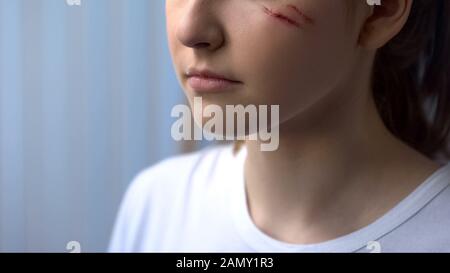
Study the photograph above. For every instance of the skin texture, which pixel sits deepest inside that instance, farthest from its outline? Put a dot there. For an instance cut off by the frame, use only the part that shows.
(294, 20)
(277, 63)
(337, 168)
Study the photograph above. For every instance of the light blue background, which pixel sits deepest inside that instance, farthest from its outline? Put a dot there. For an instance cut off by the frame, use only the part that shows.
(85, 100)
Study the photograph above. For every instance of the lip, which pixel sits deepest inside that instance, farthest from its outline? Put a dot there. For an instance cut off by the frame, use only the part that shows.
(206, 80)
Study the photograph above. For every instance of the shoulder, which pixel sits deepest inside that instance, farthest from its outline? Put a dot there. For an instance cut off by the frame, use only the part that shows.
(427, 230)
(437, 209)
(157, 192)
(176, 170)
(171, 179)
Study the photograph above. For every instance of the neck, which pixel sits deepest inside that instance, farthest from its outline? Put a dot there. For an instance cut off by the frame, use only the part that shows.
(329, 175)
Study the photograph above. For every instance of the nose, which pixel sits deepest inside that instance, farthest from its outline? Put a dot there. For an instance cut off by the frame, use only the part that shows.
(199, 28)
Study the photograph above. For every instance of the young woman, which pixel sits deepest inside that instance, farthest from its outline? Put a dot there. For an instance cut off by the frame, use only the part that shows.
(364, 98)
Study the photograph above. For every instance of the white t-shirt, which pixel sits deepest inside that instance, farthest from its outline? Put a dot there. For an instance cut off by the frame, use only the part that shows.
(197, 203)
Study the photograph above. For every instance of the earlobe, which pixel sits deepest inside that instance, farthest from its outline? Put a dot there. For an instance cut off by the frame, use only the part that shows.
(384, 22)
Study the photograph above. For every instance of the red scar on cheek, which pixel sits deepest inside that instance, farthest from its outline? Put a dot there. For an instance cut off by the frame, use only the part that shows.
(281, 17)
(299, 12)
(286, 19)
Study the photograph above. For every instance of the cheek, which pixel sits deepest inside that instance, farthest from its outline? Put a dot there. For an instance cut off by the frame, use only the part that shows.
(283, 65)
(174, 11)
(176, 49)
(170, 29)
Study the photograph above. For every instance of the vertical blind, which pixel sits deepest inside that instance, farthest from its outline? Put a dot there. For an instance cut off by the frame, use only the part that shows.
(85, 99)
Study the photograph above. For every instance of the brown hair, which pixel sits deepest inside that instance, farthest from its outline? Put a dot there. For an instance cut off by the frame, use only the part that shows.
(411, 79)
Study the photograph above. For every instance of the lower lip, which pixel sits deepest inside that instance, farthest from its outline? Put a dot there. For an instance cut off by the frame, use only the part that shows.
(201, 84)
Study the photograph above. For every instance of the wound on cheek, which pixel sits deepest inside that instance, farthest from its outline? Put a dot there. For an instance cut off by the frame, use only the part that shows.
(307, 19)
(281, 17)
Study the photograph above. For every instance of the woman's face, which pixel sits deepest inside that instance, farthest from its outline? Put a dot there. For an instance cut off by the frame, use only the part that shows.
(285, 52)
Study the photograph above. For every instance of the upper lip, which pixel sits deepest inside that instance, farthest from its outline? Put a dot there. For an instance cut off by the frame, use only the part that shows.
(208, 74)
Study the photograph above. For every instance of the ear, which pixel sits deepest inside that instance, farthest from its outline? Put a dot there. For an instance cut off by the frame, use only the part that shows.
(384, 22)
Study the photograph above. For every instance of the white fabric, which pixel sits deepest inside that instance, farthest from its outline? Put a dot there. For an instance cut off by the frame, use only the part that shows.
(197, 203)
